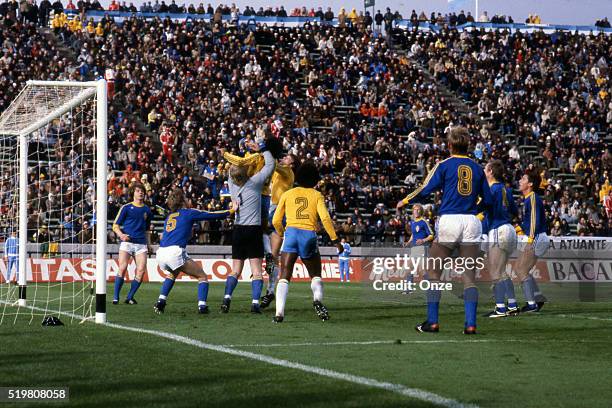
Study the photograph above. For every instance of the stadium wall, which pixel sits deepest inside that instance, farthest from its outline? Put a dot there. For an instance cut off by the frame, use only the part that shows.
(551, 11)
(568, 260)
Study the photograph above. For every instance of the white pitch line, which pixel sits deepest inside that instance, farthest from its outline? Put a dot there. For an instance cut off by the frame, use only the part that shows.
(364, 343)
(573, 316)
(415, 393)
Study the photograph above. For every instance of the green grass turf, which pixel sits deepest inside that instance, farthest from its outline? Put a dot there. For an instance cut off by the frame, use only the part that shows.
(559, 358)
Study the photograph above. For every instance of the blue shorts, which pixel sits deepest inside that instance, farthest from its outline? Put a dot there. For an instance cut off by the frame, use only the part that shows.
(301, 242)
(271, 217)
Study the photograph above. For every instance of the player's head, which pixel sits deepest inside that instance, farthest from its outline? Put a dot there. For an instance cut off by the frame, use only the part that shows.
(417, 211)
(530, 182)
(239, 175)
(290, 160)
(275, 147)
(175, 200)
(307, 175)
(137, 191)
(459, 140)
(494, 170)
(343, 240)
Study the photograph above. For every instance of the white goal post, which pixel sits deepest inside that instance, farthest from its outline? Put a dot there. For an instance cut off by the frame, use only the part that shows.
(38, 105)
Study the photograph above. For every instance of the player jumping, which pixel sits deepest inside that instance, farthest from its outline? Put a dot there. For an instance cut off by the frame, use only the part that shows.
(172, 256)
(302, 207)
(461, 181)
(132, 226)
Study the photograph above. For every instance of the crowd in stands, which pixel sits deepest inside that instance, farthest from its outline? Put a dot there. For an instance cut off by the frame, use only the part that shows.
(354, 101)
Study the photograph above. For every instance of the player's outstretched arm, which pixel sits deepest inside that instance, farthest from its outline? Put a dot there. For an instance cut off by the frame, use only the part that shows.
(327, 221)
(241, 161)
(200, 215)
(432, 183)
(262, 175)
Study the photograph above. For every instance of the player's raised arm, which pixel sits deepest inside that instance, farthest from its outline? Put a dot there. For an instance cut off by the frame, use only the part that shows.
(277, 220)
(241, 161)
(432, 183)
(262, 175)
(326, 218)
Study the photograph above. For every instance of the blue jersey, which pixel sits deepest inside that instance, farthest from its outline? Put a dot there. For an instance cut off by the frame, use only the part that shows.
(461, 181)
(347, 251)
(420, 230)
(502, 207)
(534, 218)
(134, 220)
(11, 247)
(179, 225)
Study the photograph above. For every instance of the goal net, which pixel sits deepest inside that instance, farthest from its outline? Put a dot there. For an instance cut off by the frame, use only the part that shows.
(53, 203)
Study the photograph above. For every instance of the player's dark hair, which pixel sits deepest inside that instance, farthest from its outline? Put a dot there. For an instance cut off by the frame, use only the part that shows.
(533, 176)
(295, 162)
(497, 169)
(239, 175)
(134, 186)
(275, 146)
(307, 175)
(459, 140)
(175, 200)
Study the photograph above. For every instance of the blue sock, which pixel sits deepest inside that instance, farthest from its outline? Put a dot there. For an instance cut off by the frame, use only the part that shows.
(510, 295)
(528, 290)
(433, 305)
(230, 285)
(256, 288)
(166, 288)
(133, 288)
(499, 291)
(118, 284)
(470, 299)
(202, 293)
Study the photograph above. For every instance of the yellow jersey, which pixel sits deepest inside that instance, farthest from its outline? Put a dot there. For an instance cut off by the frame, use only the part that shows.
(303, 208)
(254, 161)
(282, 180)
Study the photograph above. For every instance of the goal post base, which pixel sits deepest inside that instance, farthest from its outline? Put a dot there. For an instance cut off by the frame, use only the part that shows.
(22, 303)
(100, 318)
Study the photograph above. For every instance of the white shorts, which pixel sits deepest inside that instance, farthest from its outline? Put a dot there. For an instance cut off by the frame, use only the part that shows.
(171, 258)
(503, 237)
(132, 249)
(541, 243)
(455, 229)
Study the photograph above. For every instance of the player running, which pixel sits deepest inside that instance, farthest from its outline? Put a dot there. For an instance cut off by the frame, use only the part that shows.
(302, 207)
(172, 255)
(420, 238)
(462, 182)
(132, 226)
(501, 239)
(534, 240)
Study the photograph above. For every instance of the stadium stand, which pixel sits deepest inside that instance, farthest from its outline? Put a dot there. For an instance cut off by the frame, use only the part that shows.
(372, 110)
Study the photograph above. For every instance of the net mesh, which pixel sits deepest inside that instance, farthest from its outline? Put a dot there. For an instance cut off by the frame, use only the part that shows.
(60, 203)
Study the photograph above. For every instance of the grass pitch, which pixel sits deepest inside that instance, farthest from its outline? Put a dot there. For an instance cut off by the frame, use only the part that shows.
(559, 358)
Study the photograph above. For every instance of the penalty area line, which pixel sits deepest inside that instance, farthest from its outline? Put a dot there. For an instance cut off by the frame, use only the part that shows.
(400, 389)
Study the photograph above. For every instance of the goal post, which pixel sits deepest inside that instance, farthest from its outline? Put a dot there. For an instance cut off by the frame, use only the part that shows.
(74, 113)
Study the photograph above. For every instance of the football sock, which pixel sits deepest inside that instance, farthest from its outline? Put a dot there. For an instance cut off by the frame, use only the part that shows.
(528, 289)
(281, 296)
(433, 305)
(470, 301)
(272, 280)
(510, 292)
(230, 285)
(118, 285)
(316, 284)
(133, 288)
(166, 288)
(256, 287)
(202, 293)
(536, 288)
(499, 291)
